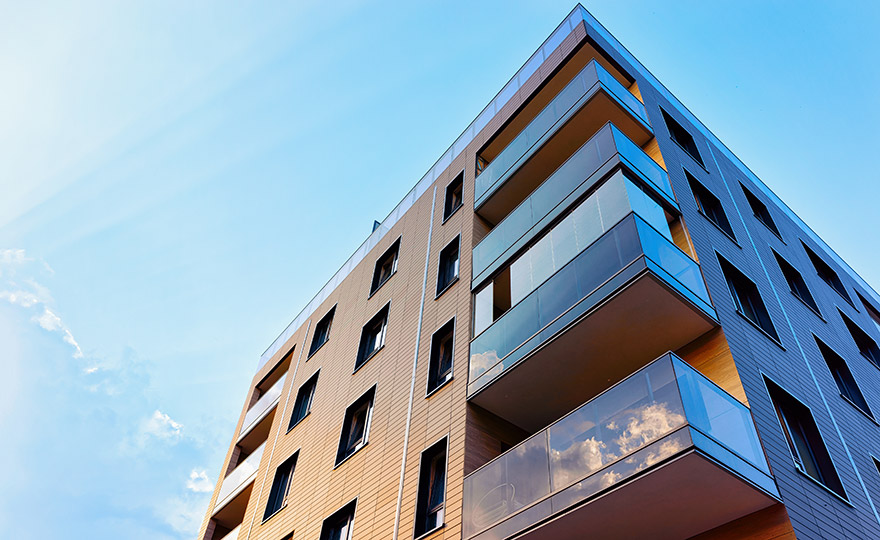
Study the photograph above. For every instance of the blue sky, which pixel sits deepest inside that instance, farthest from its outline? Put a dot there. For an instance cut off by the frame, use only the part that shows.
(167, 172)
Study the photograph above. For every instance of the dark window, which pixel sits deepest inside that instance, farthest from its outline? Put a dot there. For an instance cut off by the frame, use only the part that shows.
(338, 526)
(709, 205)
(827, 273)
(872, 312)
(303, 403)
(796, 282)
(846, 383)
(372, 337)
(453, 196)
(804, 440)
(356, 426)
(432, 489)
(760, 210)
(448, 271)
(288, 536)
(876, 464)
(322, 331)
(386, 265)
(440, 368)
(280, 486)
(747, 298)
(682, 136)
(867, 346)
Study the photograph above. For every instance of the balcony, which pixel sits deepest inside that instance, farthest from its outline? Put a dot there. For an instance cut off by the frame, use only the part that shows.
(230, 499)
(593, 98)
(663, 454)
(233, 534)
(261, 409)
(629, 296)
(606, 150)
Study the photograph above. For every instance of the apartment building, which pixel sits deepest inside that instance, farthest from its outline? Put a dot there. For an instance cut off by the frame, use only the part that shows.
(589, 319)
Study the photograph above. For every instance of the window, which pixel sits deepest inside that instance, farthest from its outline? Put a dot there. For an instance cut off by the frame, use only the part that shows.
(453, 199)
(846, 383)
(338, 526)
(759, 209)
(386, 265)
(356, 426)
(796, 283)
(372, 337)
(709, 205)
(867, 346)
(872, 312)
(827, 273)
(322, 332)
(440, 368)
(682, 136)
(876, 464)
(280, 487)
(448, 271)
(804, 440)
(432, 489)
(303, 403)
(747, 298)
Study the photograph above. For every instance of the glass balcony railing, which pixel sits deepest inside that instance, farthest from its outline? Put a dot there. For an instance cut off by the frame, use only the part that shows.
(584, 83)
(263, 405)
(239, 477)
(573, 178)
(576, 288)
(661, 411)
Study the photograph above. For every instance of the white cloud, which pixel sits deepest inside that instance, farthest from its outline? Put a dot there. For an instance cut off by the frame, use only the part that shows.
(161, 426)
(51, 322)
(199, 482)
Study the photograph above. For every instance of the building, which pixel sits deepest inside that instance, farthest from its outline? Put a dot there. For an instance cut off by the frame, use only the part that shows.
(588, 320)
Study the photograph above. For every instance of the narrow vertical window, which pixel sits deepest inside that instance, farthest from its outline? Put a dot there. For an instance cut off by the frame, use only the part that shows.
(386, 265)
(440, 366)
(759, 209)
(796, 283)
(747, 299)
(303, 403)
(372, 337)
(339, 525)
(827, 273)
(322, 331)
(804, 440)
(447, 273)
(867, 346)
(682, 136)
(709, 205)
(872, 311)
(432, 489)
(843, 377)
(356, 426)
(280, 487)
(453, 198)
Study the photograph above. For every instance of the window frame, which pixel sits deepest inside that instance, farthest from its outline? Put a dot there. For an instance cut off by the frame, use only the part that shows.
(457, 182)
(291, 463)
(383, 314)
(454, 279)
(331, 313)
(349, 509)
(828, 274)
(376, 285)
(784, 265)
(759, 210)
(737, 299)
(696, 187)
(431, 389)
(443, 443)
(846, 382)
(854, 329)
(673, 127)
(313, 381)
(345, 451)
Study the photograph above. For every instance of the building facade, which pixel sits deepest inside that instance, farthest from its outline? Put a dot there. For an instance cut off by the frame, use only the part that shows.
(588, 320)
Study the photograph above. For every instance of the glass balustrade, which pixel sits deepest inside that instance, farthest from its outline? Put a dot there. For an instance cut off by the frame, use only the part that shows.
(239, 476)
(263, 405)
(631, 427)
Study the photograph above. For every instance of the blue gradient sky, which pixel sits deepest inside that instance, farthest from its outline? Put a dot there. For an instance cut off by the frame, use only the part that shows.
(167, 172)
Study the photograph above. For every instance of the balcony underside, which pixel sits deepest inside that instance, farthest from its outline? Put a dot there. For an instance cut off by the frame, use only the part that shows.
(231, 514)
(258, 432)
(627, 330)
(680, 499)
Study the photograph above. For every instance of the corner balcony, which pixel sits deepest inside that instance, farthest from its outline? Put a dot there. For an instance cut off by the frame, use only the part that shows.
(608, 149)
(629, 296)
(593, 98)
(665, 453)
(235, 490)
(260, 411)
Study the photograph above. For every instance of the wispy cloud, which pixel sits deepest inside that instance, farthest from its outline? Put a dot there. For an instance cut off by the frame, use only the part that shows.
(163, 427)
(199, 482)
